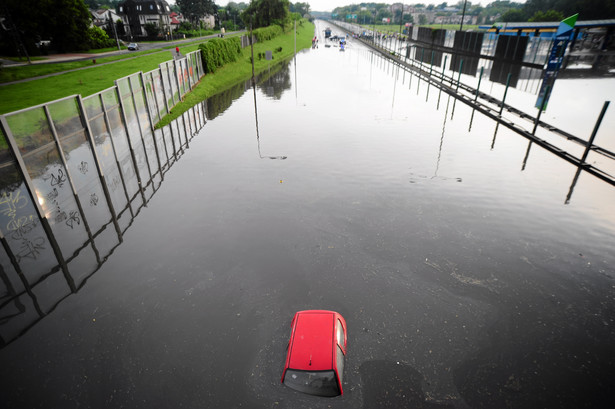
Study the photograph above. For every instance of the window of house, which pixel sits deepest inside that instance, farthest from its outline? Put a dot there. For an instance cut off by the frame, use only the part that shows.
(151, 7)
(138, 7)
(121, 9)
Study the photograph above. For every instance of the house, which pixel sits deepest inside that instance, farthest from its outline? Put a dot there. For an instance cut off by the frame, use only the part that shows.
(136, 14)
(102, 17)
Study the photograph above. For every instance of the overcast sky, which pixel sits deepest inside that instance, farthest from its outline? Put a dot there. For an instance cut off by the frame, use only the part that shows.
(328, 5)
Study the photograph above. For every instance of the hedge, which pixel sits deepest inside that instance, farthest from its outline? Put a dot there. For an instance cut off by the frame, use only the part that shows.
(217, 52)
(267, 33)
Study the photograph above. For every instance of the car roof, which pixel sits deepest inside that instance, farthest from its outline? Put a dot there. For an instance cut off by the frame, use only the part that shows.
(312, 341)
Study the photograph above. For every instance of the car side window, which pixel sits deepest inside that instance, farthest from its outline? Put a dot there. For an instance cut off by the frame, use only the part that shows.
(339, 359)
(340, 334)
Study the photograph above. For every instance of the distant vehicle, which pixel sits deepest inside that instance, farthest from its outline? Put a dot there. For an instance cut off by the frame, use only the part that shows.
(43, 43)
(316, 352)
(133, 46)
(327, 32)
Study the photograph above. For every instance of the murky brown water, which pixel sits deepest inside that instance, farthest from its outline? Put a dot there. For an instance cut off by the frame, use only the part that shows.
(465, 281)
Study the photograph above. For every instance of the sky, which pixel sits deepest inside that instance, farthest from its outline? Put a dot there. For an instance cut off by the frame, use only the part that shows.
(329, 5)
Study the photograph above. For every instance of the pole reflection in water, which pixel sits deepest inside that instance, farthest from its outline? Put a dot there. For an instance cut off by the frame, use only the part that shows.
(258, 139)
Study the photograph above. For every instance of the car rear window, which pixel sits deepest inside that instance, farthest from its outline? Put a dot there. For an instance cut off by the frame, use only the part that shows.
(321, 383)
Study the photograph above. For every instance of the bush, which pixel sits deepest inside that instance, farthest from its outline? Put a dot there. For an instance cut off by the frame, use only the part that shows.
(217, 52)
(98, 38)
(191, 33)
(267, 33)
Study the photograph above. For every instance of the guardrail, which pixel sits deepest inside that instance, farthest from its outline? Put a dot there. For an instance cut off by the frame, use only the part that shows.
(431, 70)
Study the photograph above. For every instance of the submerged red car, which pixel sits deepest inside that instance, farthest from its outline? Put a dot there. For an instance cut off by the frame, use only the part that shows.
(316, 351)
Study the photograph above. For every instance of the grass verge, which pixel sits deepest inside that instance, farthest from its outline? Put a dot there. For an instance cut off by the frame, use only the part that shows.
(84, 82)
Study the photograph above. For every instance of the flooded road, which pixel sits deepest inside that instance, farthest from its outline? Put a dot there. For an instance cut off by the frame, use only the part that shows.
(466, 282)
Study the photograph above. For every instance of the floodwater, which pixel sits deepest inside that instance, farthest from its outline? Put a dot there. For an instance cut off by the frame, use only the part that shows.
(468, 279)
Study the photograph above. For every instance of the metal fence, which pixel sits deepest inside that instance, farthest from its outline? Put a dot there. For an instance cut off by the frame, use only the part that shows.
(73, 175)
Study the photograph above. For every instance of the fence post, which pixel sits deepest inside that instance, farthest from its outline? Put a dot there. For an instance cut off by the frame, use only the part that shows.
(595, 131)
(505, 92)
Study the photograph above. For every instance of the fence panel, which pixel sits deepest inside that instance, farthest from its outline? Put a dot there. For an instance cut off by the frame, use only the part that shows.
(125, 182)
(145, 125)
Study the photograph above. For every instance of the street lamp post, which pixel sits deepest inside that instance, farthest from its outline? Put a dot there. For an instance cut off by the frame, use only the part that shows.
(463, 14)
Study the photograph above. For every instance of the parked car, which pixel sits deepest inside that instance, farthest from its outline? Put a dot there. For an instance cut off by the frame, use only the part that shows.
(133, 46)
(316, 352)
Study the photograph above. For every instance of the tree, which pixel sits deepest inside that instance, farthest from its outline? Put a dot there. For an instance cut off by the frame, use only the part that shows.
(301, 8)
(383, 13)
(233, 15)
(194, 10)
(119, 27)
(264, 13)
(152, 30)
(514, 15)
(587, 9)
(550, 15)
(98, 38)
(64, 22)
(422, 19)
(365, 17)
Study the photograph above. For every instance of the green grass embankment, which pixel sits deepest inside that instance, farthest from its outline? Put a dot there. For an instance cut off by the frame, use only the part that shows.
(241, 70)
(84, 82)
(100, 77)
(9, 74)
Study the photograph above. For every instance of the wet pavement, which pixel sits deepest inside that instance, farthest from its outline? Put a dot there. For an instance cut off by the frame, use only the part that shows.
(465, 281)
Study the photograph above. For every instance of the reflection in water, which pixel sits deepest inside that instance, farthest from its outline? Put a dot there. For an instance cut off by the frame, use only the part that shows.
(217, 104)
(508, 51)
(85, 198)
(272, 82)
(258, 139)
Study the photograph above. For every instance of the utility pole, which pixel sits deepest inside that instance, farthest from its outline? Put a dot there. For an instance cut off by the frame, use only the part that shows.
(401, 18)
(114, 31)
(463, 14)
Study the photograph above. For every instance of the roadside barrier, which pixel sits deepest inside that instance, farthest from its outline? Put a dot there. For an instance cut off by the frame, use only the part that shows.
(74, 173)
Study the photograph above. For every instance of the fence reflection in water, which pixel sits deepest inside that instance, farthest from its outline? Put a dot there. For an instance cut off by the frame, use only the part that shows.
(74, 173)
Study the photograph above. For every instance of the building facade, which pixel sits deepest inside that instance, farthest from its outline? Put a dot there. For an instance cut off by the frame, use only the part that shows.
(135, 14)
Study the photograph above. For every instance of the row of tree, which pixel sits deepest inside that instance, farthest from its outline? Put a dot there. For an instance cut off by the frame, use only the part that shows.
(67, 23)
(555, 10)
(26, 22)
(499, 10)
(236, 16)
